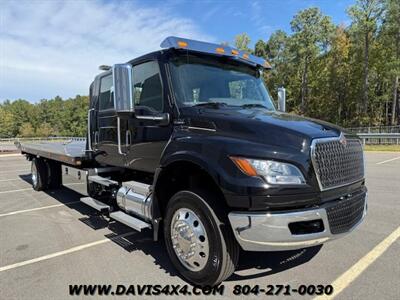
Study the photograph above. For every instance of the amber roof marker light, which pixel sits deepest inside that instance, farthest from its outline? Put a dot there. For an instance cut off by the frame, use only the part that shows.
(182, 44)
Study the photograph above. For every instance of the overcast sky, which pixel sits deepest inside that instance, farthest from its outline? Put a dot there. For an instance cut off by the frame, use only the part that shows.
(50, 48)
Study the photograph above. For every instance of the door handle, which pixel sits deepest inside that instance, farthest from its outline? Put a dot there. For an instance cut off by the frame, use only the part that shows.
(96, 137)
(119, 136)
(89, 129)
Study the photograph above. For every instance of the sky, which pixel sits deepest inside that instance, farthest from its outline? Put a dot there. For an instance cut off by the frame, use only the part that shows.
(51, 47)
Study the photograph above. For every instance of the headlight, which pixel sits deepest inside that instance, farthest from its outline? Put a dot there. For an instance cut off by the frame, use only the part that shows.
(273, 172)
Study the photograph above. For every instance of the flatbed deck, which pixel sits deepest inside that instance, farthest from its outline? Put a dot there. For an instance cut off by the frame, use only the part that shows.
(71, 152)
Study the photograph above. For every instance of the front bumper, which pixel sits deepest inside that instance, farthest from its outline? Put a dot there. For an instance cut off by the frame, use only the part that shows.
(269, 231)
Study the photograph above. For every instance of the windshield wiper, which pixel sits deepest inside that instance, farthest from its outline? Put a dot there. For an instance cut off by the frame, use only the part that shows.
(251, 105)
(211, 104)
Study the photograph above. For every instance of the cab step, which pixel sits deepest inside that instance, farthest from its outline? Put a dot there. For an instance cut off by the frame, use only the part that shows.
(102, 180)
(96, 204)
(130, 221)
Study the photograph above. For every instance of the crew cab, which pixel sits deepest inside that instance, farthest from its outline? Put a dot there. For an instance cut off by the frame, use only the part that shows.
(186, 143)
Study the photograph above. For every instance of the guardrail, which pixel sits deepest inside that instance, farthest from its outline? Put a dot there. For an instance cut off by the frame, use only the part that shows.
(380, 138)
(375, 129)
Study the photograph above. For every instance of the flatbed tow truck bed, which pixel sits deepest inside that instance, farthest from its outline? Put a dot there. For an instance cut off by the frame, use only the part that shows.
(72, 152)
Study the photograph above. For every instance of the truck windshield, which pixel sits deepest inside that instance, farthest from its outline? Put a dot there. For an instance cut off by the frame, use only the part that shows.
(217, 82)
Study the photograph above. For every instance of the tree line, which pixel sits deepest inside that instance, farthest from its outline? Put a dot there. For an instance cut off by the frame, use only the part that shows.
(348, 75)
(55, 117)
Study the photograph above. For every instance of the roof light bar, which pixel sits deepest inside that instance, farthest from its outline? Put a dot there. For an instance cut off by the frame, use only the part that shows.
(198, 46)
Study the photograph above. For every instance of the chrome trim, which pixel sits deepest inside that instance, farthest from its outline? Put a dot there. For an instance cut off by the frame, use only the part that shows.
(312, 154)
(201, 128)
(189, 239)
(135, 198)
(269, 231)
(131, 104)
(34, 174)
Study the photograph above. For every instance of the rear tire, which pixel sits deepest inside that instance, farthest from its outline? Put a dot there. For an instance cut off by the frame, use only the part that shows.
(54, 177)
(200, 245)
(39, 174)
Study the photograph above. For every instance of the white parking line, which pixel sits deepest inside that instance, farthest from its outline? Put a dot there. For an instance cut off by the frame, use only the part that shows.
(385, 161)
(9, 155)
(17, 165)
(37, 208)
(64, 252)
(30, 189)
(20, 190)
(351, 274)
(13, 171)
(3, 180)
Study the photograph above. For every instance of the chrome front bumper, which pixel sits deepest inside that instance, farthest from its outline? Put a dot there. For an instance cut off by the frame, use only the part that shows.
(270, 231)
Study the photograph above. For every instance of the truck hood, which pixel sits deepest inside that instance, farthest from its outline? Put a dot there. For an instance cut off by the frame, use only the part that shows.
(261, 126)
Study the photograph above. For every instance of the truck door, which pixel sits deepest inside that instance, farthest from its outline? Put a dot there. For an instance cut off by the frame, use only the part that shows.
(149, 129)
(107, 121)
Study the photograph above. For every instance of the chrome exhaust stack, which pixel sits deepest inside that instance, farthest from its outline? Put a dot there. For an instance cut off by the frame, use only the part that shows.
(135, 198)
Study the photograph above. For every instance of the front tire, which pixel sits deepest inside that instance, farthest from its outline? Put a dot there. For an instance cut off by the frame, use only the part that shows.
(200, 245)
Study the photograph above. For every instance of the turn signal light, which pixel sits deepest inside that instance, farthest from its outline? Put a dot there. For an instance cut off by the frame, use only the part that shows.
(220, 50)
(244, 166)
(235, 52)
(245, 56)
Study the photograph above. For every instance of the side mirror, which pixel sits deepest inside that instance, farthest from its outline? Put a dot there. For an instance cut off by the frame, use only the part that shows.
(282, 99)
(122, 82)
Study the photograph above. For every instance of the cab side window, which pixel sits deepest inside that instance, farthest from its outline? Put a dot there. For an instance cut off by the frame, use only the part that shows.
(106, 100)
(147, 88)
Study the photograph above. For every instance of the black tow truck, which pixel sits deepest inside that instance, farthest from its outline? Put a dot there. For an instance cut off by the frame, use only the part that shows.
(186, 142)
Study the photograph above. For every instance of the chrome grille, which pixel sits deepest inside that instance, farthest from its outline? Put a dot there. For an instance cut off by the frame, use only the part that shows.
(337, 161)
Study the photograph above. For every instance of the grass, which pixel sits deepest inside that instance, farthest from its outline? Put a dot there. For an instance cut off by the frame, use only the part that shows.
(392, 148)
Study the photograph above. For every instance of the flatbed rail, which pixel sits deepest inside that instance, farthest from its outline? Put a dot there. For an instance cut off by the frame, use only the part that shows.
(71, 152)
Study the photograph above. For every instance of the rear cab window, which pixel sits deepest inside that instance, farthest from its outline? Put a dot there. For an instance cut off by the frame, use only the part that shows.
(106, 97)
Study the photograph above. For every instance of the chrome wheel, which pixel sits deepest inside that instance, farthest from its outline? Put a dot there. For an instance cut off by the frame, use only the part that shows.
(34, 174)
(189, 239)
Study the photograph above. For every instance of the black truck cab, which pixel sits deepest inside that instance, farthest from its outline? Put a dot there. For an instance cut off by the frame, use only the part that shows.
(203, 109)
(187, 139)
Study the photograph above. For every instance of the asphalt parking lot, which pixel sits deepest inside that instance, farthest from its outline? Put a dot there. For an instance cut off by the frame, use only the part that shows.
(50, 240)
